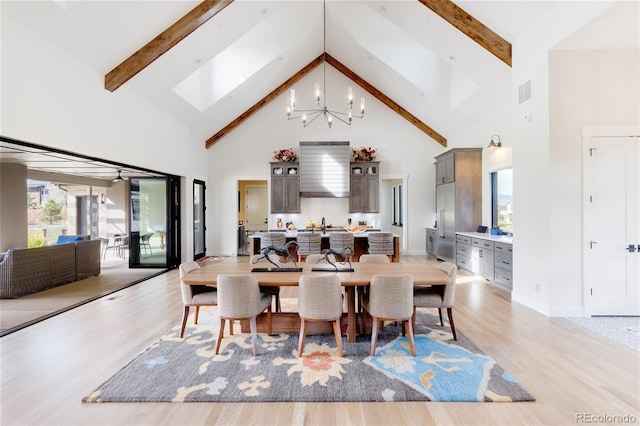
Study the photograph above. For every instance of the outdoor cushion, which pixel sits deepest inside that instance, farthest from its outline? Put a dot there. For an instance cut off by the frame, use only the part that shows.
(64, 239)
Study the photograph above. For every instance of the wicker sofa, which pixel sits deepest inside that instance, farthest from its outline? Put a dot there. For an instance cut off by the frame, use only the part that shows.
(28, 270)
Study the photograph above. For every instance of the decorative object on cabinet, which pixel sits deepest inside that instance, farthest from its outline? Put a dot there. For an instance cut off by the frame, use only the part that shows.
(285, 155)
(364, 154)
(493, 144)
(345, 115)
(364, 187)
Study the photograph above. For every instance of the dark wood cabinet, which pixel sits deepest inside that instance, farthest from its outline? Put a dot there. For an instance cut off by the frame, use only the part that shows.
(445, 168)
(285, 187)
(364, 187)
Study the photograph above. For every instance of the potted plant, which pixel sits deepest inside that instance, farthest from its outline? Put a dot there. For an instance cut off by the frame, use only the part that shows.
(495, 230)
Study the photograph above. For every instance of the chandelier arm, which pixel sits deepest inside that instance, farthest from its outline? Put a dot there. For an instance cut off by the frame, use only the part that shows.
(333, 114)
(313, 118)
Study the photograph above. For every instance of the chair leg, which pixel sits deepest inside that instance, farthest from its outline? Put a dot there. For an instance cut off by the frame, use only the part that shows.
(185, 314)
(303, 332)
(197, 313)
(269, 319)
(338, 334)
(413, 318)
(409, 328)
(453, 327)
(374, 336)
(254, 335)
(440, 312)
(278, 303)
(230, 328)
(220, 335)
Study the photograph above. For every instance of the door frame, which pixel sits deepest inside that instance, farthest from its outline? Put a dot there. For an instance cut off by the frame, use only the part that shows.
(588, 133)
(237, 179)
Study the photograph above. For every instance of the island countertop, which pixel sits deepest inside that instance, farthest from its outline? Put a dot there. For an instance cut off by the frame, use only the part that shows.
(360, 242)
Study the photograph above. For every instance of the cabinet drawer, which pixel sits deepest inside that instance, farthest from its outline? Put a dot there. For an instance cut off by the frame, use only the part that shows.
(463, 250)
(463, 239)
(503, 261)
(504, 278)
(504, 248)
(479, 242)
(464, 262)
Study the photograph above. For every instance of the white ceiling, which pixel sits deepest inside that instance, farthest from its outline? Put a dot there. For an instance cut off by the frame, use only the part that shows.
(399, 46)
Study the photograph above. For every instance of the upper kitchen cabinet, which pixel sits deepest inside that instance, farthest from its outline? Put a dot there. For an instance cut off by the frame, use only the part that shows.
(285, 187)
(364, 187)
(445, 168)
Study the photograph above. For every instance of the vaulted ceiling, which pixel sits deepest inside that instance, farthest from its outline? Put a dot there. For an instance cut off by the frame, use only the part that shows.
(442, 65)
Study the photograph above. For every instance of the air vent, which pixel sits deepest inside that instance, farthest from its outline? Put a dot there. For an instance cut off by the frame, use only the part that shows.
(324, 169)
(524, 92)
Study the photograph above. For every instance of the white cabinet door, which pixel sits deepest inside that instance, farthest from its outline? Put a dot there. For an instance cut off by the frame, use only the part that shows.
(612, 225)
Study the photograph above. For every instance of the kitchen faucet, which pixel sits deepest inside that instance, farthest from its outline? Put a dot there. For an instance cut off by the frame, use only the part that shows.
(324, 228)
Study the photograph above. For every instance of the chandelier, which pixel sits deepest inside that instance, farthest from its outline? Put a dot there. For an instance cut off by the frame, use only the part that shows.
(308, 116)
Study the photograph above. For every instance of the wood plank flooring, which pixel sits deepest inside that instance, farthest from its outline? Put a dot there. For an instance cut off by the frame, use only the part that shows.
(47, 368)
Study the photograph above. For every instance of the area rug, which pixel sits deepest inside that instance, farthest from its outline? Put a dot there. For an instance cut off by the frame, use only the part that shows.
(187, 370)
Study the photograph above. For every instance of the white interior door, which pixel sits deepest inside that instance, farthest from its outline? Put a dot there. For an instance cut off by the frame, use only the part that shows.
(612, 226)
(256, 207)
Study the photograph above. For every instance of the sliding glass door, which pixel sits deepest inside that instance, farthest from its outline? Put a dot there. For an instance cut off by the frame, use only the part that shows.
(199, 228)
(154, 236)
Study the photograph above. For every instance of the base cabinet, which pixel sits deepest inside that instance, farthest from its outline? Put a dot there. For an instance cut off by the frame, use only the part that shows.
(432, 240)
(489, 259)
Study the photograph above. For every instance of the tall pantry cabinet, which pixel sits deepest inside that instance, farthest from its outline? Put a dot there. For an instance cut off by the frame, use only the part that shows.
(458, 197)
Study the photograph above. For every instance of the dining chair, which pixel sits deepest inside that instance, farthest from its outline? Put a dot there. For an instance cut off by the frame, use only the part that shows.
(239, 298)
(272, 290)
(319, 258)
(380, 243)
(145, 242)
(369, 258)
(195, 295)
(276, 239)
(320, 300)
(438, 296)
(390, 298)
(339, 241)
(308, 243)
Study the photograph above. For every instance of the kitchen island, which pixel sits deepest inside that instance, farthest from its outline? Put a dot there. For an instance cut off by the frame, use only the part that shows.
(360, 243)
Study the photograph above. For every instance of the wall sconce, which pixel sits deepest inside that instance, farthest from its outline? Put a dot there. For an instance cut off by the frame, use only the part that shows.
(493, 144)
(103, 199)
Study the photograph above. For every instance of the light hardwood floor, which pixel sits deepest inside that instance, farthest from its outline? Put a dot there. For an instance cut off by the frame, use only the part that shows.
(46, 369)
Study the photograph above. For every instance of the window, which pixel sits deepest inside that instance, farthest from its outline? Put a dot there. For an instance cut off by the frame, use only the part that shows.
(502, 199)
(397, 205)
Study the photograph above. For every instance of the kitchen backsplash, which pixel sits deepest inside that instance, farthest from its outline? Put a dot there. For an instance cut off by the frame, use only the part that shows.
(334, 210)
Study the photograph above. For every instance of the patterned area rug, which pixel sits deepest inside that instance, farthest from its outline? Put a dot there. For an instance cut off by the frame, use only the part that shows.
(186, 370)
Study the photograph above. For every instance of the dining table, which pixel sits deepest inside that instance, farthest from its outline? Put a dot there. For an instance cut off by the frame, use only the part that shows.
(351, 276)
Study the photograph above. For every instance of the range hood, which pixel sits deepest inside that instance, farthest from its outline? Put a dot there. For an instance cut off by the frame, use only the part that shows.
(324, 169)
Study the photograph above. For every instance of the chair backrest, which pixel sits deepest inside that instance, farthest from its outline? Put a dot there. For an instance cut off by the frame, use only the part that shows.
(391, 296)
(449, 290)
(338, 241)
(319, 257)
(380, 242)
(308, 242)
(146, 237)
(374, 258)
(238, 296)
(320, 297)
(276, 239)
(185, 289)
(258, 258)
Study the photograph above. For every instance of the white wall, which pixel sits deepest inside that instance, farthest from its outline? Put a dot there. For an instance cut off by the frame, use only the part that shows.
(403, 150)
(50, 98)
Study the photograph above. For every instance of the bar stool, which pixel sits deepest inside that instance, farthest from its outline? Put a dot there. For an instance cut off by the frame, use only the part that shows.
(308, 243)
(339, 241)
(381, 243)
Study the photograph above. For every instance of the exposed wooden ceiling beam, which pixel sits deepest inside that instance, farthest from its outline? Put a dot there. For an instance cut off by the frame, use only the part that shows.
(264, 101)
(471, 27)
(347, 72)
(163, 42)
(386, 100)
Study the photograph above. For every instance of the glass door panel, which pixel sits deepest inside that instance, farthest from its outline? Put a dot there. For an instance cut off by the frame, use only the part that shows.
(199, 228)
(148, 223)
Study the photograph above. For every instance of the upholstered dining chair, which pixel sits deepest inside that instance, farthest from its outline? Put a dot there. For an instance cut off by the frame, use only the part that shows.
(239, 298)
(276, 239)
(339, 241)
(380, 243)
(320, 300)
(438, 296)
(195, 295)
(390, 298)
(369, 258)
(319, 258)
(272, 290)
(308, 243)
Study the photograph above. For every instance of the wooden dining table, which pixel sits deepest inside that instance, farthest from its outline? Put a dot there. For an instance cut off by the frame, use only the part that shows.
(287, 322)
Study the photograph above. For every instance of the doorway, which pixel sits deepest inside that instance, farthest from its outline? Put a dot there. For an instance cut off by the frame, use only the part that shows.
(612, 225)
(253, 210)
(199, 226)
